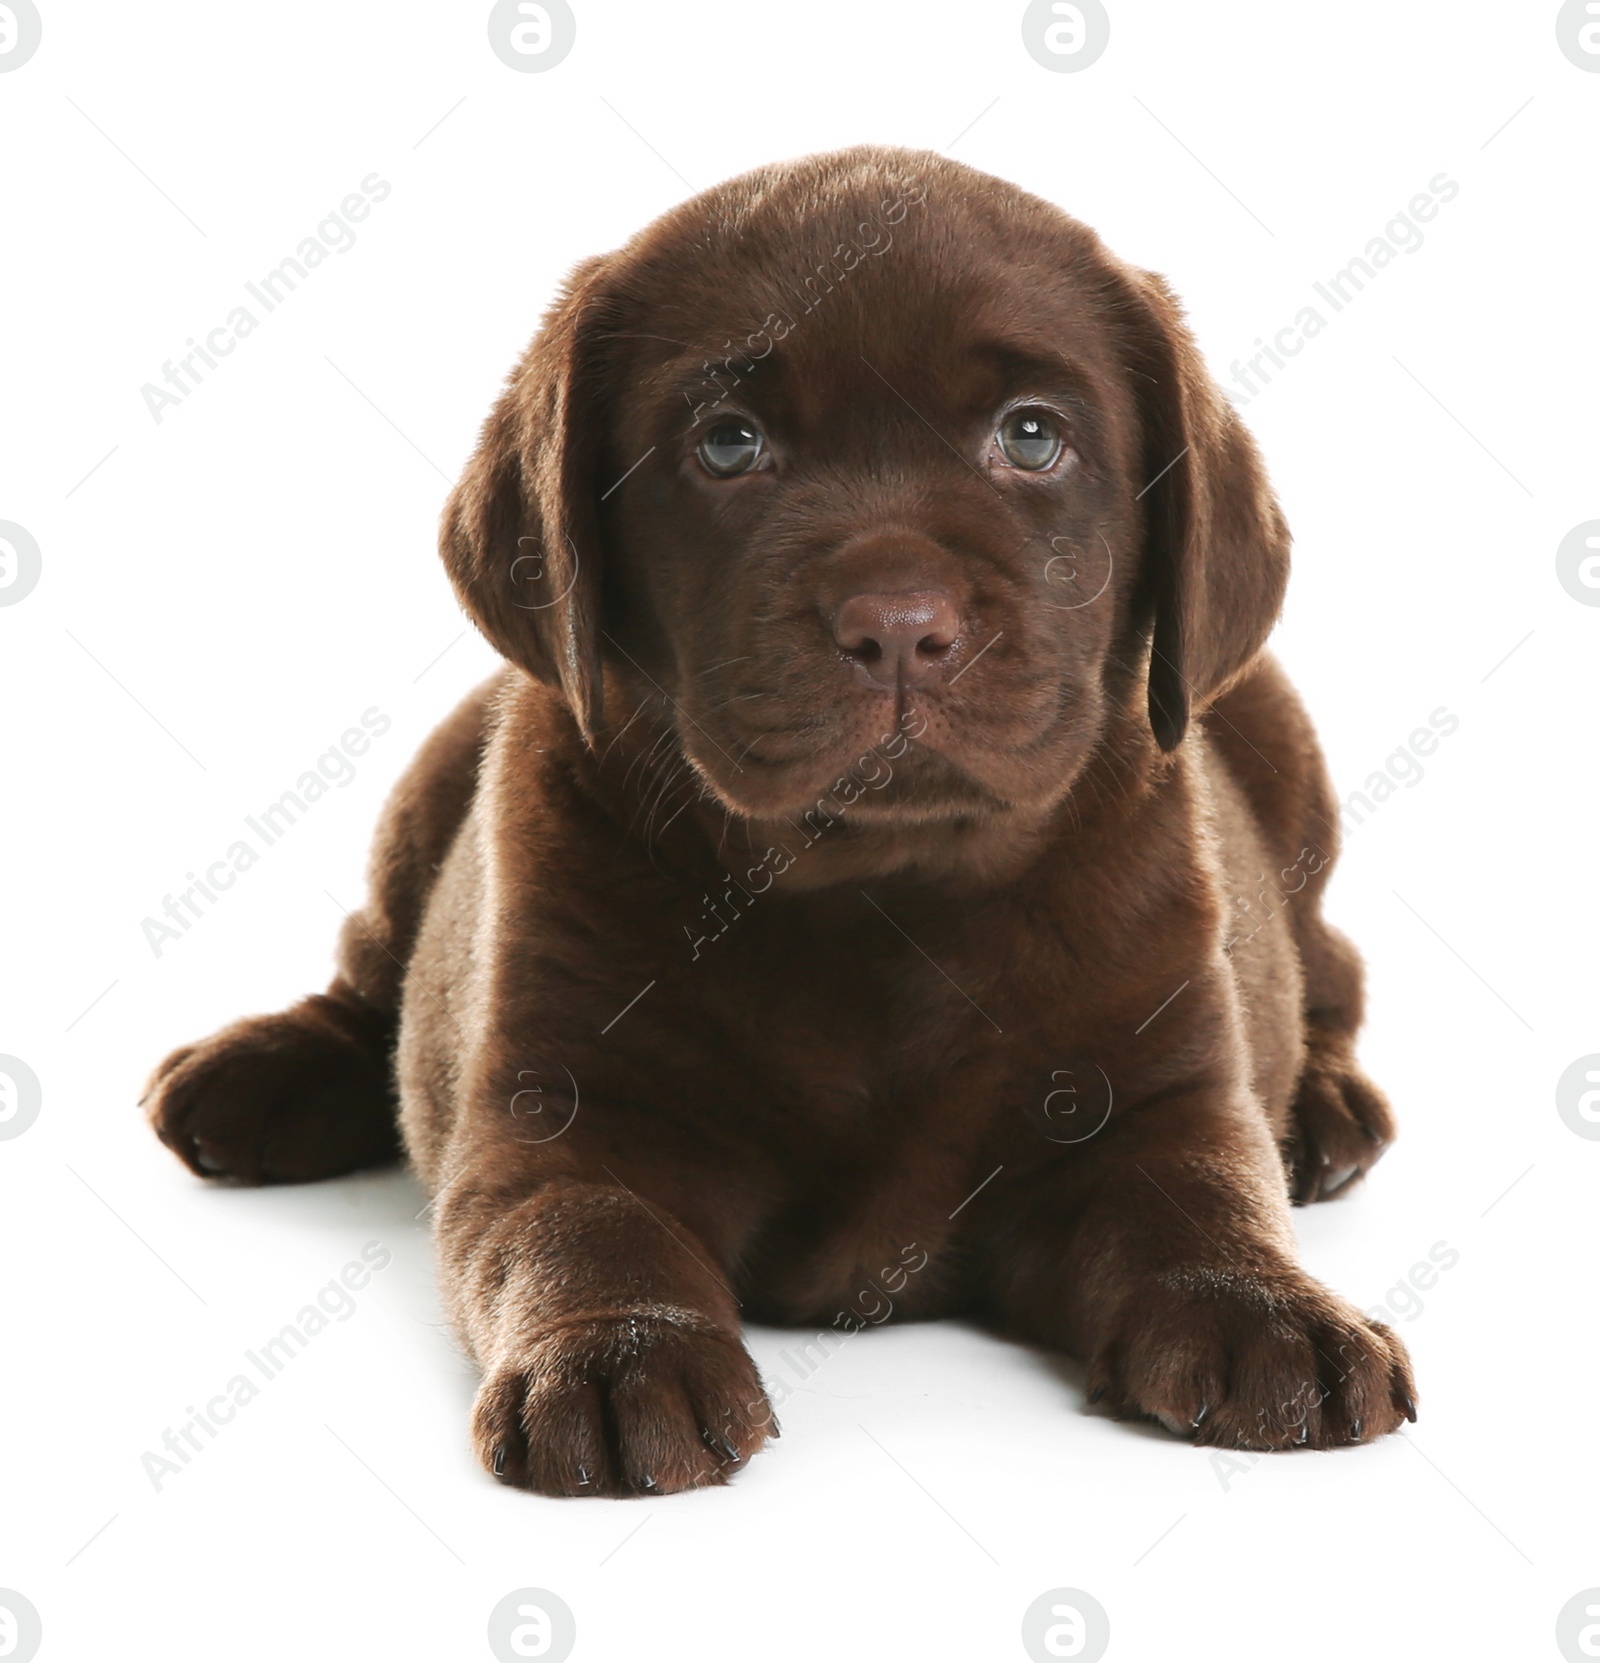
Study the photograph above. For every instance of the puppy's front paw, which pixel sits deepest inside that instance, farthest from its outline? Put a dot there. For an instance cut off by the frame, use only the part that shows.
(1254, 1362)
(624, 1406)
(1340, 1124)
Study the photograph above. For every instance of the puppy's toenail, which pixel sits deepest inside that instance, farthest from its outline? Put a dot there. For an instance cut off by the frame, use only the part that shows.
(583, 1478)
(1205, 1409)
(499, 1460)
(1099, 1392)
(721, 1446)
(1408, 1407)
(1355, 1430)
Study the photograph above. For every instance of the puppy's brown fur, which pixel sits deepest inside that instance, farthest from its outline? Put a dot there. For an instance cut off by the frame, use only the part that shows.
(712, 979)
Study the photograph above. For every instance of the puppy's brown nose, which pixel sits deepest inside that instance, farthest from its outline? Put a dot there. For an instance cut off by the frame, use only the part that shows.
(898, 640)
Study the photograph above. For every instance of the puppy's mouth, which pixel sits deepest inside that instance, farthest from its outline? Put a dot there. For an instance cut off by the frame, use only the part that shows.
(899, 760)
(894, 780)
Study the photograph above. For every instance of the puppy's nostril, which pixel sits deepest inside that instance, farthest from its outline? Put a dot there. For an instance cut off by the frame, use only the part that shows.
(898, 637)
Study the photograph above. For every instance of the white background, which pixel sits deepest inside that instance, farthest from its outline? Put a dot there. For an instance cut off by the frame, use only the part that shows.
(229, 589)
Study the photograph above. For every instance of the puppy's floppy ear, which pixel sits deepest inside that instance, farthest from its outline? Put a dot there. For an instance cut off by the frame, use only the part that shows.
(1216, 549)
(520, 532)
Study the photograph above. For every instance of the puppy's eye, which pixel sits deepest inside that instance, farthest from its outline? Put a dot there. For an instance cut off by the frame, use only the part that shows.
(1029, 439)
(731, 447)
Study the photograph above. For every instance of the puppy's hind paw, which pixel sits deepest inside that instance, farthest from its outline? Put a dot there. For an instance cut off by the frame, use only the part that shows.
(279, 1099)
(1340, 1124)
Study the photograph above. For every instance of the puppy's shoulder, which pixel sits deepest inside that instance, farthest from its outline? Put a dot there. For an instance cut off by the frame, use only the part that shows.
(537, 766)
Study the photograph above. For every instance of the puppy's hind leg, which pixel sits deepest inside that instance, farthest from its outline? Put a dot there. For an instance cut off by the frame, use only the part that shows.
(309, 1092)
(1339, 1122)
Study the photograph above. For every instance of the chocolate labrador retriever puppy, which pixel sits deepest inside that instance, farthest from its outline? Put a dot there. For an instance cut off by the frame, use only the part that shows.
(887, 860)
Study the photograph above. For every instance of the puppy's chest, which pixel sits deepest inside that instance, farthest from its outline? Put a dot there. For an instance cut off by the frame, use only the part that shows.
(877, 1051)
(894, 1061)
(861, 995)
(845, 1017)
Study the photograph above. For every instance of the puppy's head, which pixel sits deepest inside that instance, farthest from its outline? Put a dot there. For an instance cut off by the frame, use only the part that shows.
(871, 446)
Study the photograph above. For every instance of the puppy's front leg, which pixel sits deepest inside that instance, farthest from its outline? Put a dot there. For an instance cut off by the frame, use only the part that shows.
(1160, 1253)
(605, 1328)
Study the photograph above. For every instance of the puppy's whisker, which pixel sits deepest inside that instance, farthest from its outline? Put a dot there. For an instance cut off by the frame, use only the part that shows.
(663, 692)
(652, 833)
(727, 663)
(651, 781)
(701, 794)
(733, 698)
(664, 775)
(629, 335)
(649, 775)
(645, 759)
(622, 730)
